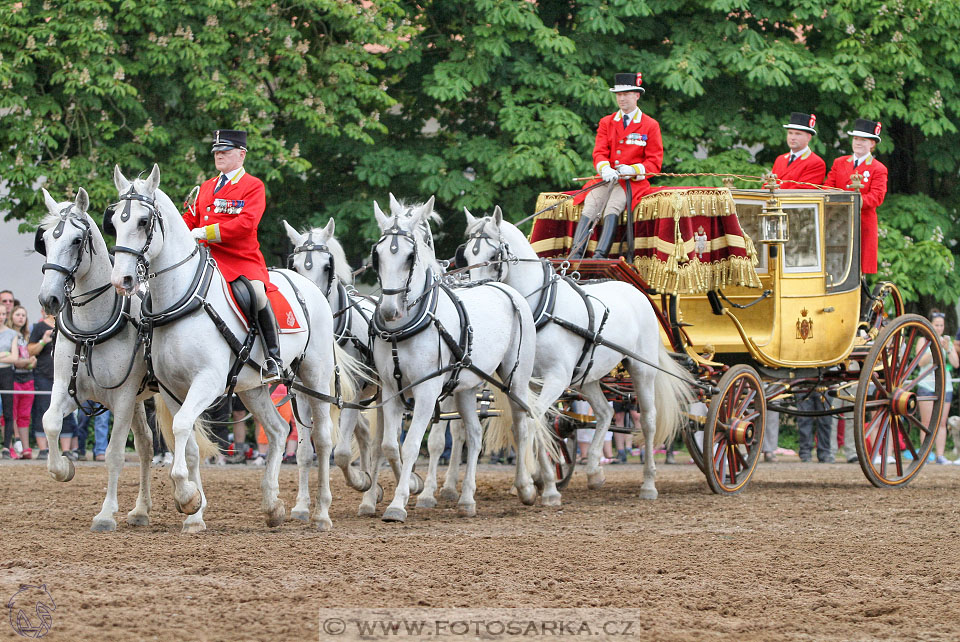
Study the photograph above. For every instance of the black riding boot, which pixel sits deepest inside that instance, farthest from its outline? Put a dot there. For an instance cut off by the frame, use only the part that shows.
(267, 324)
(581, 238)
(606, 236)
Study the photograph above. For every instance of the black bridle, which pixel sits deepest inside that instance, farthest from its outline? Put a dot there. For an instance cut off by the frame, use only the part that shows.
(395, 233)
(154, 217)
(309, 247)
(85, 243)
(502, 254)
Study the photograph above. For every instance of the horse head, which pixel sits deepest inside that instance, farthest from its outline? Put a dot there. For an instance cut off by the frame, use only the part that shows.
(402, 255)
(136, 221)
(68, 238)
(485, 247)
(318, 256)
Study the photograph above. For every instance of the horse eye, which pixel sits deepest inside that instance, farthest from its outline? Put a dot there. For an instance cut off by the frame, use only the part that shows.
(75, 241)
(142, 222)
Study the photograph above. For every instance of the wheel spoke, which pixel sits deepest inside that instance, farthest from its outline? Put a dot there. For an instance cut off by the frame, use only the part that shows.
(731, 463)
(918, 424)
(745, 401)
(913, 365)
(881, 388)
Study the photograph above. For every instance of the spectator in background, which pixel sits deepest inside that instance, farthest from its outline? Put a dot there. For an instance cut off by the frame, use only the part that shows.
(7, 337)
(23, 370)
(8, 301)
(41, 346)
(101, 430)
(823, 425)
(161, 453)
(771, 436)
(623, 412)
(927, 385)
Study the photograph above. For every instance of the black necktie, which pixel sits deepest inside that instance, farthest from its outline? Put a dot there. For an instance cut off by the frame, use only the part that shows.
(626, 121)
(223, 180)
(855, 163)
(793, 157)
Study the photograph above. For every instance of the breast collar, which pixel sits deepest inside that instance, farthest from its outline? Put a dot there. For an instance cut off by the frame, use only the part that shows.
(113, 325)
(420, 319)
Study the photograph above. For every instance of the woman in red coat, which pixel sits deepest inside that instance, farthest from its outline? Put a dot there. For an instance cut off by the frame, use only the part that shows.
(225, 217)
(873, 177)
(628, 145)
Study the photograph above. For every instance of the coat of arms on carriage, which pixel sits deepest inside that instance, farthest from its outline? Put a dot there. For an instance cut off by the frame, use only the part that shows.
(804, 326)
(700, 242)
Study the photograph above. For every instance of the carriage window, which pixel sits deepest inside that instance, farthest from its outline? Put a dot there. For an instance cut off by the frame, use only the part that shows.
(838, 227)
(748, 212)
(802, 252)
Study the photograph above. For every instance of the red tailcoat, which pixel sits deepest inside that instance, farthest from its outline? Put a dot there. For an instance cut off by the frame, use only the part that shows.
(874, 178)
(808, 168)
(232, 231)
(640, 142)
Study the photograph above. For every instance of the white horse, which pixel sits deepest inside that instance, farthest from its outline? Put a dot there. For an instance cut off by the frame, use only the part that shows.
(619, 312)
(319, 256)
(192, 358)
(430, 341)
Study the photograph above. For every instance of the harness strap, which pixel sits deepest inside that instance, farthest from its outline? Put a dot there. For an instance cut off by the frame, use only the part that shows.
(590, 324)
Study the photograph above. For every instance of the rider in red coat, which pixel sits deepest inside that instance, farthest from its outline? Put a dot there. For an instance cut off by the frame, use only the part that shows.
(873, 177)
(628, 145)
(800, 164)
(225, 216)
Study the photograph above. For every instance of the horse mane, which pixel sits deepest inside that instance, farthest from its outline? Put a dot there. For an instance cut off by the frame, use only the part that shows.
(422, 232)
(164, 201)
(52, 220)
(341, 266)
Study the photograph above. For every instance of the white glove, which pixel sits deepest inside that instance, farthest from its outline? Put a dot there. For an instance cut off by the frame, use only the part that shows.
(609, 175)
(630, 170)
(199, 233)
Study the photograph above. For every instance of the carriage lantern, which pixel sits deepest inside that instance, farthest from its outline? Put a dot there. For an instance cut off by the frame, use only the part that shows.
(774, 225)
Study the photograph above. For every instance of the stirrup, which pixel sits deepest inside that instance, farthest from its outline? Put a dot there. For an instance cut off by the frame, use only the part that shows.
(268, 375)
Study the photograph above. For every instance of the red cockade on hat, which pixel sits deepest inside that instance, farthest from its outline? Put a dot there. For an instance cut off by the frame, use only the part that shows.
(876, 130)
(639, 79)
(813, 120)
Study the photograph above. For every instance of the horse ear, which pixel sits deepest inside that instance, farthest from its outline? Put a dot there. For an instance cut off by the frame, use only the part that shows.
(395, 206)
(153, 181)
(292, 234)
(52, 206)
(471, 219)
(497, 215)
(382, 219)
(426, 210)
(331, 226)
(119, 180)
(83, 200)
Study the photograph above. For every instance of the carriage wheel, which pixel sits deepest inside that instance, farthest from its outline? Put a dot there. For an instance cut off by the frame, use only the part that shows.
(891, 437)
(567, 442)
(733, 434)
(888, 304)
(690, 440)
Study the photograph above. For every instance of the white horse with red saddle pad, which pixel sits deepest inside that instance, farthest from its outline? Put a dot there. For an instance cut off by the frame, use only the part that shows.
(431, 341)
(618, 312)
(199, 343)
(98, 355)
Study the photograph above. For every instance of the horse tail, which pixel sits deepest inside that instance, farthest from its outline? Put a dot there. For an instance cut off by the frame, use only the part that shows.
(499, 433)
(201, 430)
(673, 391)
(352, 372)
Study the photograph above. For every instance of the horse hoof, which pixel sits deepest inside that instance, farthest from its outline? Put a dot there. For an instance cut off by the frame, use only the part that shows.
(193, 526)
(301, 514)
(416, 483)
(379, 493)
(426, 501)
(367, 483)
(394, 514)
(527, 495)
(192, 506)
(138, 519)
(538, 483)
(648, 493)
(467, 510)
(67, 476)
(323, 524)
(366, 510)
(596, 480)
(449, 494)
(276, 515)
(551, 500)
(103, 525)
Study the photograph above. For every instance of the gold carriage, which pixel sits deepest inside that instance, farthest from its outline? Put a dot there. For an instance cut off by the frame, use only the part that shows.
(760, 293)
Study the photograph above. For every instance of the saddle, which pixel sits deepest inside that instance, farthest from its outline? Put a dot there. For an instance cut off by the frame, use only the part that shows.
(243, 298)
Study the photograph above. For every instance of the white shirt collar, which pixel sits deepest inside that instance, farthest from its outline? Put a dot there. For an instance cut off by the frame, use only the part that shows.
(800, 153)
(634, 116)
(234, 174)
(861, 159)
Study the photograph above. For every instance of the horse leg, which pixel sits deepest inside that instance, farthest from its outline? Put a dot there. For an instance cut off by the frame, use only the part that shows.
(435, 443)
(258, 401)
(59, 467)
(194, 523)
(373, 495)
(449, 491)
(643, 380)
(343, 453)
(323, 442)
(604, 414)
(552, 388)
(467, 406)
(143, 442)
(301, 510)
(424, 405)
(186, 494)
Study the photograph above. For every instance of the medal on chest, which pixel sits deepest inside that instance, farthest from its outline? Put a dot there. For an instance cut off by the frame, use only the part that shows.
(636, 139)
(227, 206)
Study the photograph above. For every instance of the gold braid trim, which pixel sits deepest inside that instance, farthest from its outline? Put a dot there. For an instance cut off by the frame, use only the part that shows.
(564, 212)
(695, 277)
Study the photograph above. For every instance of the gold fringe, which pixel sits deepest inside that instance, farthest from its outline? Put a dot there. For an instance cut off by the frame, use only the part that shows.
(565, 212)
(695, 277)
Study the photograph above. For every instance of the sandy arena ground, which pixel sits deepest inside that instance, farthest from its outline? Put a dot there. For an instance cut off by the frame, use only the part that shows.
(808, 552)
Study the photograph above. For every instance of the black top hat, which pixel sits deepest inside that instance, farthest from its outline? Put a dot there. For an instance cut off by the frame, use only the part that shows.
(866, 129)
(802, 122)
(627, 82)
(224, 139)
